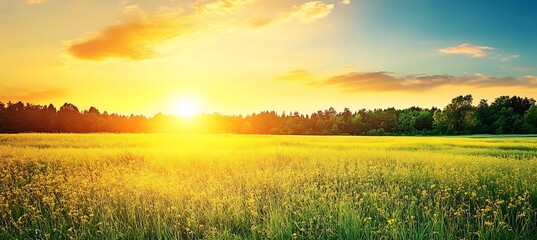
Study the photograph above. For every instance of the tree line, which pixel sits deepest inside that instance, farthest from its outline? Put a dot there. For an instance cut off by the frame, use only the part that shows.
(505, 115)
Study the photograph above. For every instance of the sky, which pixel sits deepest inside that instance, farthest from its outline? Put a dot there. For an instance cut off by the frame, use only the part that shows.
(246, 56)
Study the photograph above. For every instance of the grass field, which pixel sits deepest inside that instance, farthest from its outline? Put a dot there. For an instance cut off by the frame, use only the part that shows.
(139, 186)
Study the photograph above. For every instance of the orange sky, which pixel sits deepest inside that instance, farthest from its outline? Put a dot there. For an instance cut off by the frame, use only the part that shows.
(239, 57)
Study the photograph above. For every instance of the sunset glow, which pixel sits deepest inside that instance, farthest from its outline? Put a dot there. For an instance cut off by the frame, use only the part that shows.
(268, 119)
(247, 56)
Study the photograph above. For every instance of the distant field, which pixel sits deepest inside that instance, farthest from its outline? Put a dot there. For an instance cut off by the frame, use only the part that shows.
(148, 186)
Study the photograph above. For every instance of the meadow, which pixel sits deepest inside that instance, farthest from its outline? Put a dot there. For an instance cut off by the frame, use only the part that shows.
(165, 186)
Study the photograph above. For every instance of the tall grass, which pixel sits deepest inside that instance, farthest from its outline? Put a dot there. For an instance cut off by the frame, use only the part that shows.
(266, 187)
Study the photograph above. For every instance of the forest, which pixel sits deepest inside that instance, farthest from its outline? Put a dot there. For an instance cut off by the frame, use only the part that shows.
(505, 115)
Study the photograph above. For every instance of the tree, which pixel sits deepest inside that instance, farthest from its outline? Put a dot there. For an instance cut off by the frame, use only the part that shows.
(424, 121)
(483, 117)
(505, 115)
(358, 126)
(346, 118)
(69, 118)
(91, 117)
(460, 114)
(530, 120)
(247, 128)
(441, 123)
(407, 122)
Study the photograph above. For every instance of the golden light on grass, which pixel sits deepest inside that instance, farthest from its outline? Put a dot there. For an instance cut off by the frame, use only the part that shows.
(168, 186)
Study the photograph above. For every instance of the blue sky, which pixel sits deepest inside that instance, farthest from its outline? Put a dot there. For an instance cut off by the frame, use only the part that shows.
(416, 29)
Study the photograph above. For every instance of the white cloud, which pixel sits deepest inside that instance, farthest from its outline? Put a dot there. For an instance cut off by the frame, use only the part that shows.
(311, 11)
(532, 79)
(31, 2)
(467, 49)
(508, 58)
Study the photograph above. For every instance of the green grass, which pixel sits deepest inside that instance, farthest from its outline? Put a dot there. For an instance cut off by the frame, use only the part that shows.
(149, 186)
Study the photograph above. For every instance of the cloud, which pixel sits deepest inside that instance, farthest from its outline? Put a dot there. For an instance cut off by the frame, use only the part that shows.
(306, 13)
(531, 79)
(122, 41)
(262, 22)
(467, 49)
(345, 2)
(311, 11)
(32, 2)
(134, 39)
(222, 6)
(139, 36)
(508, 58)
(385, 81)
(482, 81)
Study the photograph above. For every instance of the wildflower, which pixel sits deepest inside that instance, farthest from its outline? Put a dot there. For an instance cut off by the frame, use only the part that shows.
(424, 193)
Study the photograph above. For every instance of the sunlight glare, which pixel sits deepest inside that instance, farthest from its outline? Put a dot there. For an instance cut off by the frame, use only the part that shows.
(187, 108)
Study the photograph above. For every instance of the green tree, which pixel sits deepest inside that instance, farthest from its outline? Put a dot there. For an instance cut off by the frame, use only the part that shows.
(530, 120)
(358, 125)
(424, 120)
(460, 114)
(441, 123)
(407, 122)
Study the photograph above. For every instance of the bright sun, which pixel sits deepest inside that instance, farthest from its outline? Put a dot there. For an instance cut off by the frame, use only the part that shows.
(187, 108)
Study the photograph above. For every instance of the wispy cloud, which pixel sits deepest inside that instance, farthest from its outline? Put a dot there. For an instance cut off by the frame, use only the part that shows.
(531, 78)
(222, 6)
(295, 75)
(138, 37)
(311, 11)
(508, 57)
(345, 2)
(134, 39)
(31, 2)
(306, 13)
(467, 49)
(386, 81)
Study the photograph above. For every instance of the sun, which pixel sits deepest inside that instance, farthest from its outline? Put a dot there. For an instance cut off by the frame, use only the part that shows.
(187, 108)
